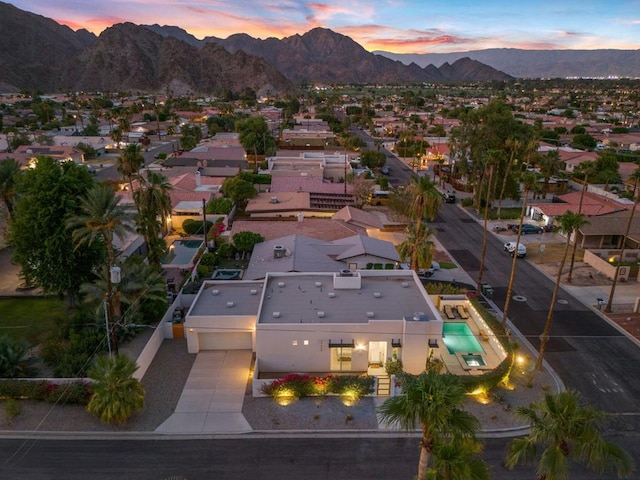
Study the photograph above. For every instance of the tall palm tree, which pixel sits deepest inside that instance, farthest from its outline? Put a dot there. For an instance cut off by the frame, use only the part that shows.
(116, 394)
(140, 282)
(154, 206)
(514, 146)
(490, 164)
(549, 166)
(569, 223)
(420, 240)
(9, 171)
(129, 163)
(102, 219)
(636, 177)
(434, 402)
(562, 428)
(528, 182)
(585, 185)
(458, 460)
(424, 202)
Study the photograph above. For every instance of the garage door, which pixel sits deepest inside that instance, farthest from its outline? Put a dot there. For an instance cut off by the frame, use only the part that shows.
(225, 341)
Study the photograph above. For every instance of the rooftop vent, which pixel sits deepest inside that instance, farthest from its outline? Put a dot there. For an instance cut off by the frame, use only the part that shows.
(320, 314)
(370, 314)
(278, 251)
(346, 273)
(377, 294)
(254, 291)
(281, 284)
(276, 314)
(230, 304)
(318, 284)
(405, 284)
(331, 294)
(274, 200)
(215, 292)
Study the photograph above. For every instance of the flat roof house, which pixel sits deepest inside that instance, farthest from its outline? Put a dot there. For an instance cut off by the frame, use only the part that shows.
(346, 321)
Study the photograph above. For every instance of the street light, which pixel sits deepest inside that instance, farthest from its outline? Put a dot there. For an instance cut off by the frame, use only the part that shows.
(115, 278)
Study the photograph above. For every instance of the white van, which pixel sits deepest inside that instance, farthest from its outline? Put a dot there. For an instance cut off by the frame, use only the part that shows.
(511, 248)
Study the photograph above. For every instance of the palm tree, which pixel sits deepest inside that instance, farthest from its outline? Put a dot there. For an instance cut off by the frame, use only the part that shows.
(489, 194)
(102, 218)
(433, 401)
(458, 460)
(636, 177)
(513, 145)
(422, 241)
(116, 394)
(528, 182)
(129, 163)
(549, 166)
(563, 428)
(569, 223)
(154, 206)
(587, 171)
(9, 171)
(141, 282)
(424, 202)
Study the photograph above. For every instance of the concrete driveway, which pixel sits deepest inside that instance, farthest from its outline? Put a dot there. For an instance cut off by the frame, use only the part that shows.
(212, 398)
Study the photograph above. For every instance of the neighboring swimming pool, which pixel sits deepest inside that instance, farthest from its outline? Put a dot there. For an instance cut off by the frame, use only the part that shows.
(181, 252)
(457, 336)
(227, 274)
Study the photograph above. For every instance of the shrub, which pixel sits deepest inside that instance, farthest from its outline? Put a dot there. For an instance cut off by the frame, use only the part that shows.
(204, 271)
(15, 361)
(208, 259)
(193, 227)
(393, 366)
(116, 394)
(353, 386)
(292, 385)
(298, 386)
(74, 393)
(467, 202)
(12, 408)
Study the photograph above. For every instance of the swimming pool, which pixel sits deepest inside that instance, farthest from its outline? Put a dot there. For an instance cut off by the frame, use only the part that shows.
(457, 336)
(181, 252)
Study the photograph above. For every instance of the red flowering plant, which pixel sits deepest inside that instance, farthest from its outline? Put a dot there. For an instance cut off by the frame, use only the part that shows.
(292, 385)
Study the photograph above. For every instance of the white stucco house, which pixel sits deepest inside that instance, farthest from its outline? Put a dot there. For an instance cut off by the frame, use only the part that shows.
(318, 322)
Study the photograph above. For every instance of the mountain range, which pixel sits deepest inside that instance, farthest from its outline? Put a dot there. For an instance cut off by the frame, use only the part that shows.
(540, 63)
(47, 56)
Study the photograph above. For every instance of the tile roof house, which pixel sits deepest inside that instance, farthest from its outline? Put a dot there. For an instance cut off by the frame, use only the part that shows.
(298, 253)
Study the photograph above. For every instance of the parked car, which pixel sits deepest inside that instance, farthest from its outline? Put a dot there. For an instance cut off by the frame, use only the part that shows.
(511, 248)
(384, 170)
(527, 228)
(449, 197)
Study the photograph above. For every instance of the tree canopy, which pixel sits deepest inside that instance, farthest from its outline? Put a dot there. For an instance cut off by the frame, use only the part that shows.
(47, 196)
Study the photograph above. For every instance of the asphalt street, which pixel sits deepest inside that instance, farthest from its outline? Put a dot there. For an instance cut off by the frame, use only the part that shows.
(589, 355)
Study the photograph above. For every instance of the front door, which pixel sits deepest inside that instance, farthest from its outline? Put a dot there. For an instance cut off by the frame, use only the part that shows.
(377, 354)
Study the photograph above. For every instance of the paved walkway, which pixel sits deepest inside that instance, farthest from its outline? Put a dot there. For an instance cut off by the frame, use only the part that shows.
(212, 398)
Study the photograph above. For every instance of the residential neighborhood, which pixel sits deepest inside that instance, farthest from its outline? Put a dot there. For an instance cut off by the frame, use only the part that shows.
(360, 237)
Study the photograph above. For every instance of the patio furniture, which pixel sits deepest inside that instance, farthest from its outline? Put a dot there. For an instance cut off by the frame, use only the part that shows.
(448, 311)
(483, 333)
(462, 311)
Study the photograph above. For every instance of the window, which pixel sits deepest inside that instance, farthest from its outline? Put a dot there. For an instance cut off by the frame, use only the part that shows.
(294, 343)
(305, 342)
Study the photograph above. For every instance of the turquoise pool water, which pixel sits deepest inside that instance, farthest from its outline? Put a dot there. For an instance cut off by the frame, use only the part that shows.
(457, 336)
(181, 252)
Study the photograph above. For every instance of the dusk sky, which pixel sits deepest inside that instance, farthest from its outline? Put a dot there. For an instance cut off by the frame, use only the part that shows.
(401, 26)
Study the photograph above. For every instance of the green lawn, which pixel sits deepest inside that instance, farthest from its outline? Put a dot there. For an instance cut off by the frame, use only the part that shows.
(29, 319)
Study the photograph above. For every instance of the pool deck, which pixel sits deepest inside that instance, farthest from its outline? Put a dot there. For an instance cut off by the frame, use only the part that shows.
(493, 353)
